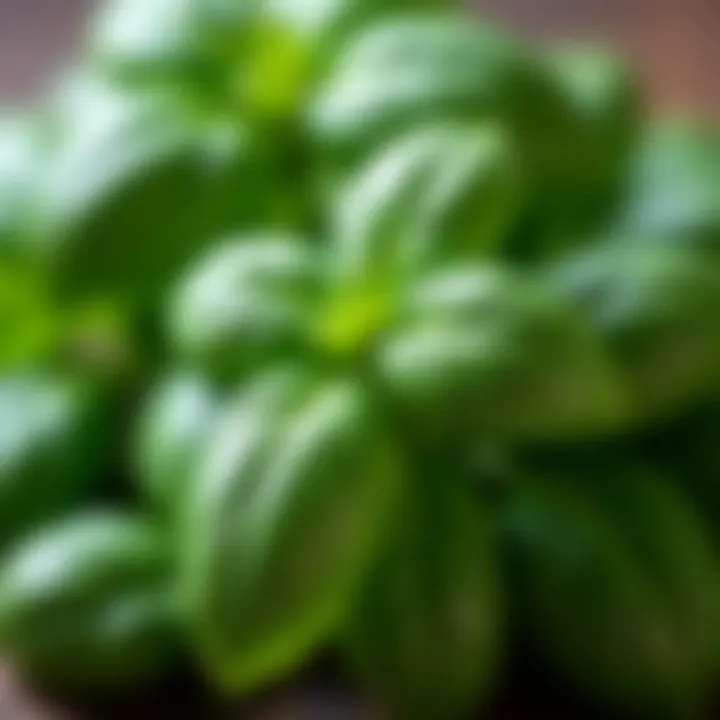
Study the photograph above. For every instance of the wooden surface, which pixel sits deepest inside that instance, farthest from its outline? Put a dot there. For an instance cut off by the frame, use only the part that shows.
(675, 44)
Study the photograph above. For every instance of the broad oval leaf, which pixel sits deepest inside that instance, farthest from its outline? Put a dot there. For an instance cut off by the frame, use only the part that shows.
(657, 309)
(412, 68)
(197, 45)
(674, 185)
(86, 604)
(589, 152)
(486, 348)
(618, 580)
(249, 300)
(176, 421)
(441, 191)
(138, 186)
(284, 517)
(425, 636)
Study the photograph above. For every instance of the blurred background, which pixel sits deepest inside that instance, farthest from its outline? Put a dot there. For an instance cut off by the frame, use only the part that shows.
(673, 43)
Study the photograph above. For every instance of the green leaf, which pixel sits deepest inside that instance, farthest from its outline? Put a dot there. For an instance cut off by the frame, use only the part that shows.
(85, 604)
(176, 422)
(425, 636)
(249, 300)
(674, 188)
(22, 148)
(138, 186)
(605, 101)
(408, 69)
(620, 587)
(27, 317)
(325, 26)
(26, 312)
(295, 45)
(589, 149)
(486, 348)
(283, 519)
(657, 308)
(54, 435)
(441, 191)
(197, 46)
